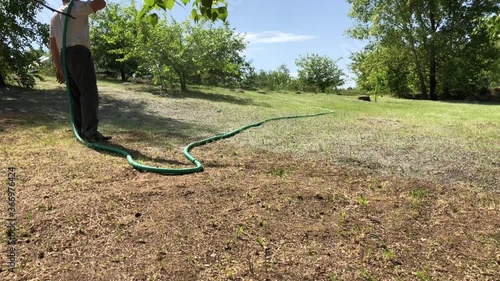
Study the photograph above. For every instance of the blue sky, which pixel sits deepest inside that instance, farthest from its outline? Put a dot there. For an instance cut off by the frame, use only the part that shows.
(279, 31)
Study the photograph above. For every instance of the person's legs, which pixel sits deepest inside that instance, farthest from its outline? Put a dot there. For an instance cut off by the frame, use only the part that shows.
(75, 104)
(81, 69)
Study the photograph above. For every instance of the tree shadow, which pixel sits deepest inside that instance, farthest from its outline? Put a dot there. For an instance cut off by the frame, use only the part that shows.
(49, 108)
(195, 94)
(479, 98)
(472, 102)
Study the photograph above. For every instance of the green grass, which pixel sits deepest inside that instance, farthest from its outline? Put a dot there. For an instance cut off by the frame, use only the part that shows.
(437, 140)
(433, 140)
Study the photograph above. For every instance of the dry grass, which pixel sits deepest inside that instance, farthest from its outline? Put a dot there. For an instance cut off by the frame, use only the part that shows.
(258, 212)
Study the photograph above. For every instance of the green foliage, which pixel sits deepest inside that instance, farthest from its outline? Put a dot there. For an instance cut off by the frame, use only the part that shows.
(239, 231)
(382, 70)
(492, 24)
(261, 241)
(362, 201)
(444, 48)
(419, 193)
(198, 53)
(319, 71)
(389, 255)
(423, 275)
(175, 53)
(113, 35)
(210, 10)
(278, 79)
(279, 172)
(19, 30)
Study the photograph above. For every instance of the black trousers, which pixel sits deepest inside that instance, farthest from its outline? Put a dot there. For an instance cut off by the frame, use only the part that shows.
(83, 88)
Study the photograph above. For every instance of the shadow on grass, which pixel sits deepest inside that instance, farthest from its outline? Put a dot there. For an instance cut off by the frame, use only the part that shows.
(474, 102)
(196, 94)
(49, 108)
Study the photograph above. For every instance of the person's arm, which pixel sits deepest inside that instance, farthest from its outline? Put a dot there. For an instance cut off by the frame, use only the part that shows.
(97, 5)
(57, 60)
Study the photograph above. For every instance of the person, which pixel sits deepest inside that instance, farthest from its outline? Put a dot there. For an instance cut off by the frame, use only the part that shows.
(80, 65)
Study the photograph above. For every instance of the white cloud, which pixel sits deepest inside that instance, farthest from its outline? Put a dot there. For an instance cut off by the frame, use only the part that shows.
(269, 37)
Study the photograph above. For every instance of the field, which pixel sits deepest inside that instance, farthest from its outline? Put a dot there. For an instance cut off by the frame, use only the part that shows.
(387, 190)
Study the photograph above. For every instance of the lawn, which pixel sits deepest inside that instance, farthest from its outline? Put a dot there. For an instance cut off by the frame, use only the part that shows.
(387, 190)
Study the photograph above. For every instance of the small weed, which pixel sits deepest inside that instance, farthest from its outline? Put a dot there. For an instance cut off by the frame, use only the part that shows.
(332, 277)
(28, 216)
(239, 231)
(389, 255)
(261, 241)
(366, 275)
(230, 273)
(278, 172)
(495, 237)
(73, 220)
(376, 184)
(330, 198)
(342, 217)
(48, 207)
(368, 255)
(418, 196)
(263, 224)
(362, 201)
(419, 193)
(423, 275)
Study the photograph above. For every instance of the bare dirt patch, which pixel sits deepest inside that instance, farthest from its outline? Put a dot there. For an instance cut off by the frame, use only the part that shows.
(251, 216)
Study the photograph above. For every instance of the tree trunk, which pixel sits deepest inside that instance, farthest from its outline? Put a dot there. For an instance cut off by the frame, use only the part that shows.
(180, 74)
(122, 73)
(182, 80)
(2, 82)
(323, 88)
(421, 76)
(432, 75)
(420, 72)
(432, 63)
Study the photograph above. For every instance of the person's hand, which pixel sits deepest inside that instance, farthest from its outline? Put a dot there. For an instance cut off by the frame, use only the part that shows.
(60, 76)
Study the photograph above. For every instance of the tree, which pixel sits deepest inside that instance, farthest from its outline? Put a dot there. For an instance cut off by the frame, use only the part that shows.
(19, 30)
(438, 37)
(220, 59)
(278, 79)
(113, 35)
(319, 71)
(380, 70)
(210, 54)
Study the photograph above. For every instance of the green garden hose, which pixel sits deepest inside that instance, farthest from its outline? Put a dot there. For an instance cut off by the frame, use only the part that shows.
(170, 171)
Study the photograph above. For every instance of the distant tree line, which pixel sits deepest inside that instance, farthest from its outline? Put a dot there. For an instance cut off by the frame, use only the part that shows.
(420, 48)
(438, 49)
